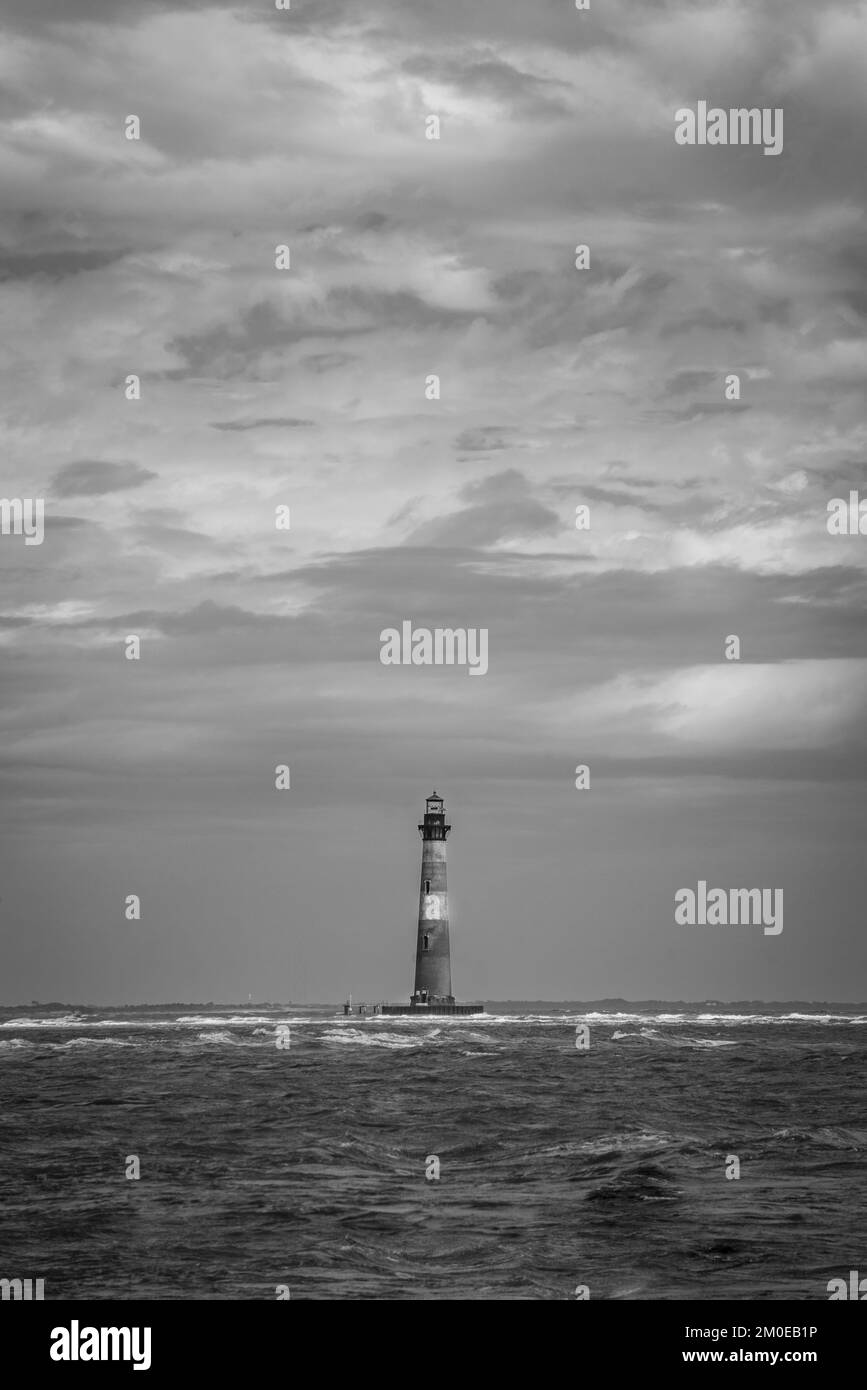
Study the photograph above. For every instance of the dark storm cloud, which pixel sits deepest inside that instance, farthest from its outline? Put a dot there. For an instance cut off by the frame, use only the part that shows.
(97, 477)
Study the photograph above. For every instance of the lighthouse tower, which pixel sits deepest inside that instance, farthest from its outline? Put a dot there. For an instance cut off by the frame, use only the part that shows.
(433, 966)
(432, 992)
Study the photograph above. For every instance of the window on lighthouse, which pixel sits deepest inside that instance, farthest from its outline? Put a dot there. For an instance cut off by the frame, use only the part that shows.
(427, 885)
(426, 942)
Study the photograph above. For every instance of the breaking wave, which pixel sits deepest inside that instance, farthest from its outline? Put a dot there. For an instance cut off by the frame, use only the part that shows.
(355, 1038)
(653, 1035)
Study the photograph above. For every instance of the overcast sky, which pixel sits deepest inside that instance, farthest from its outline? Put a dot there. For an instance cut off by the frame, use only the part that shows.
(305, 387)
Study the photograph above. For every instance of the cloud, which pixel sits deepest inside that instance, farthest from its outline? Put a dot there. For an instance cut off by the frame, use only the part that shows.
(498, 508)
(54, 265)
(275, 422)
(490, 77)
(95, 477)
(482, 439)
(733, 708)
(31, 15)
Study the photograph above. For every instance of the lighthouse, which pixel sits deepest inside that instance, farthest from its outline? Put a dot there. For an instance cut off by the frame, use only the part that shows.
(433, 964)
(432, 991)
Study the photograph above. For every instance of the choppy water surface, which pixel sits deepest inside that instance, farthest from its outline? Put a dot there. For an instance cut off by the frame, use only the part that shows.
(305, 1165)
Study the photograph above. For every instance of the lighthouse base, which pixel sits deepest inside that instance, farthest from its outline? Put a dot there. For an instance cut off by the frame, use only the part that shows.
(426, 1010)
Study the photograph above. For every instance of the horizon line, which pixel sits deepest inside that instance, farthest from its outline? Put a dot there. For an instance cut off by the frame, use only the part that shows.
(326, 1004)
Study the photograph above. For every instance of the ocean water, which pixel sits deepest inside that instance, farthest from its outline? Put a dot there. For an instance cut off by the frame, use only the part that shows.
(305, 1165)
